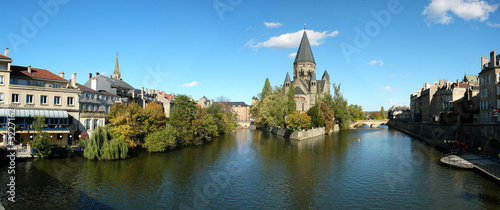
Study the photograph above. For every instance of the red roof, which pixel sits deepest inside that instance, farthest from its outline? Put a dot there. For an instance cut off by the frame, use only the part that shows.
(21, 71)
(3, 56)
(167, 96)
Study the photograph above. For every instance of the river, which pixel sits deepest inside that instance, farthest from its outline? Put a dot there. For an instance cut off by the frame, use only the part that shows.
(249, 169)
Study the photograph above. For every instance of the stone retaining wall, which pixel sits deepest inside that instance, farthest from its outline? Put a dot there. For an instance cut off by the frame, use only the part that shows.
(297, 135)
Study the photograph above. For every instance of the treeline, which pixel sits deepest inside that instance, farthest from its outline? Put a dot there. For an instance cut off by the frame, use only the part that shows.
(276, 108)
(130, 126)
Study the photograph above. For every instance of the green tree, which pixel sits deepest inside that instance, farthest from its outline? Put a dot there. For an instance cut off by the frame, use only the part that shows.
(339, 107)
(161, 140)
(266, 90)
(290, 100)
(356, 112)
(41, 139)
(298, 121)
(125, 122)
(102, 146)
(152, 118)
(181, 118)
(224, 118)
(273, 108)
(382, 112)
(316, 120)
(375, 116)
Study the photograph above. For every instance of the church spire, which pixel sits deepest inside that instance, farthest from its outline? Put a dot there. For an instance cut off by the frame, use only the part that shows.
(116, 73)
(304, 54)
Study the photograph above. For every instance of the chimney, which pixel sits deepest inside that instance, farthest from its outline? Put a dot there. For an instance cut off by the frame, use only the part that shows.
(142, 92)
(147, 91)
(61, 74)
(97, 74)
(6, 52)
(484, 60)
(493, 59)
(29, 69)
(90, 76)
(73, 80)
(93, 84)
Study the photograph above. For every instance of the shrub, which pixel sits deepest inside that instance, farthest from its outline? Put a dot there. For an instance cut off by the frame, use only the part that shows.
(99, 146)
(298, 121)
(161, 140)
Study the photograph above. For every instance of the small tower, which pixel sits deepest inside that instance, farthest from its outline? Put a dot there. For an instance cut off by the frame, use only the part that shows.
(326, 78)
(287, 83)
(116, 73)
(313, 85)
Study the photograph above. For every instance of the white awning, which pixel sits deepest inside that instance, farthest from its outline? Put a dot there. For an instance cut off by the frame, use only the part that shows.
(35, 112)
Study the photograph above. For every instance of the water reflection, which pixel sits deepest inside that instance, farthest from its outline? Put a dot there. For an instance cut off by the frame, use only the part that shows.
(360, 168)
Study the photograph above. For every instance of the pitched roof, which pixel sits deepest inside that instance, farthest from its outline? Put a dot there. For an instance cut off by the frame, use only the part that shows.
(84, 88)
(239, 103)
(325, 76)
(299, 90)
(22, 71)
(287, 78)
(304, 54)
(321, 84)
(470, 78)
(112, 81)
(3, 56)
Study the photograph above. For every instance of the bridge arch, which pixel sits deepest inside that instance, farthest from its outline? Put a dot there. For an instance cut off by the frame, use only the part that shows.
(494, 146)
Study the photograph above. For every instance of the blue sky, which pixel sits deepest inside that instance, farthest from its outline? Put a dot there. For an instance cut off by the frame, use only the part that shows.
(228, 47)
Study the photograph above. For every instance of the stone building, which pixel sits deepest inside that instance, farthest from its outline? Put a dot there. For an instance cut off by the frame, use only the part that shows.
(204, 102)
(304, 83)
(33, 92)
(241, 109)
(489, 93)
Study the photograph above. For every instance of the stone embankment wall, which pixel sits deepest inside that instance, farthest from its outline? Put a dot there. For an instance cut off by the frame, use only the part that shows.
(474, 136)
(297, 135)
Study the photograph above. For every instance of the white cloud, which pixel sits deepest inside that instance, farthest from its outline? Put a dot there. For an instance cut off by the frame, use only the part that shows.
(495, 25)
(385, 88)
(272, 24)
(292, 55)
(192, 84)
(103, 73)
(438, 11)
(291, 40)
(157, 81)
(375, 62)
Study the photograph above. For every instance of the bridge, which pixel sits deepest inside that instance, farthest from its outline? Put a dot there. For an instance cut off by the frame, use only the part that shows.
(370, 123)
(244, 124)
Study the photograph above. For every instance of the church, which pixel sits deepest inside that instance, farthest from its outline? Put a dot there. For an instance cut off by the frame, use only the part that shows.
(304, 83)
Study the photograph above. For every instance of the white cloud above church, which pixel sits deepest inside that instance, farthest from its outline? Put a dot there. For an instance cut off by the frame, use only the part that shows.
(292, 40)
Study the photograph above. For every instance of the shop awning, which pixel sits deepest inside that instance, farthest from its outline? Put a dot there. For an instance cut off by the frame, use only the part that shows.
(35, 112)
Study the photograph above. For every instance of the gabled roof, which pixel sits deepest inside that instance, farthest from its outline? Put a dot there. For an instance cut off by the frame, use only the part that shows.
(22, 71)
(325, 76)
(304, 54)
(287, 78)
(236, 103)
(112, 82)
(84, 88)
(5, 57)
(470, 78)
(299, 90)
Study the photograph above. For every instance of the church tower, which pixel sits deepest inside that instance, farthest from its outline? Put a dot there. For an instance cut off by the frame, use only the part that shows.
(116, 73)
(304, 64)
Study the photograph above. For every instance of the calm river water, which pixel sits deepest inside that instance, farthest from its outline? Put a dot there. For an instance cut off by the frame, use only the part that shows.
(363, 168)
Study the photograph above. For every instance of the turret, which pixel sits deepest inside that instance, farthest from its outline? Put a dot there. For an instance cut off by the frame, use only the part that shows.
(287, 83)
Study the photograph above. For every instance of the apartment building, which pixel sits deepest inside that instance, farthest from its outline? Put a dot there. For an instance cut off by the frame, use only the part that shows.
(489, 93)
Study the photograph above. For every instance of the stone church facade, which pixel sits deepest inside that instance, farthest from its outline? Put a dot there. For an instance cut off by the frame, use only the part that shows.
(304, 83)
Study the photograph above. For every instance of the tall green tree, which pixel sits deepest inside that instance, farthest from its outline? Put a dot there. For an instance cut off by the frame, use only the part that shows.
(126, 122)
(41, 138)
(316, 120)
(339, 107)
(290, 100)
(266, 90)
(181, 118)
(382, 112)
(356, 112)
(327, 116)
(273, 108)
(152, 118)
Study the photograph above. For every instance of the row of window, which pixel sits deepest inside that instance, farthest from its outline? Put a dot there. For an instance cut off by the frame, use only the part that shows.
(43, 99)
(107, 98)
(92, 124)
(487, 79)
(484, 105)
(94, 107)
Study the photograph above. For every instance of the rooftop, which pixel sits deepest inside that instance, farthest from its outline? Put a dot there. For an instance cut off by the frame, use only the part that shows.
(22, 71)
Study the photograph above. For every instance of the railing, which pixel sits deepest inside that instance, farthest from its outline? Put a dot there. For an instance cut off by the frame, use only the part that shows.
(492, 169)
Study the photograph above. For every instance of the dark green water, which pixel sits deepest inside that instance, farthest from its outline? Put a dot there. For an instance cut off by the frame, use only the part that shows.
(364, 168)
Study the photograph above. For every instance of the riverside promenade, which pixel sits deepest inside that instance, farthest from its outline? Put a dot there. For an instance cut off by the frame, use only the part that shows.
(489, 167)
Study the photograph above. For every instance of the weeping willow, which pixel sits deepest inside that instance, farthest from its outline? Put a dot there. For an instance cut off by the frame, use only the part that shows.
(102, 147)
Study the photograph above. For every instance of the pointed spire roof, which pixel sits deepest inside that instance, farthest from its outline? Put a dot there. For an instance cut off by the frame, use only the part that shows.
(304, 54)
(313, 76)
(287, 78)
(116, 73)
(325, 76)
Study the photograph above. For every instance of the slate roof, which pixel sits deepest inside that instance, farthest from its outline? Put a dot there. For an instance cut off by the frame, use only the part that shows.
(304, 54)
(84, 88)
(22, 71)
(325, 76)
(287, 78)
(111, 81)
(320, 84)
(299, 90)
(470, 78)
(239, 103)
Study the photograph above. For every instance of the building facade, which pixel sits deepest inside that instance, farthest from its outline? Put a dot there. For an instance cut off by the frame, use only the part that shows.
(33, 92)
(304, 83)
(489, 93)
(94, 106)
(241, 109)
